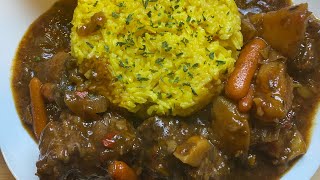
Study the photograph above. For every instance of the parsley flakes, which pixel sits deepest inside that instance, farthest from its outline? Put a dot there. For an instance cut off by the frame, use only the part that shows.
(139, 78)
(36, 59)
(220, 62)
(188, 19)
(115, 15)
(106, 48)
(129, 19)
(146, 2)
(166, 46)
(90, 45)
(211, 55)
(119, 77)
(159, 61)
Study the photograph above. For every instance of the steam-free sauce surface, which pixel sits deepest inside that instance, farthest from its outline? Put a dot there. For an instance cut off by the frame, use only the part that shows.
(50, 34)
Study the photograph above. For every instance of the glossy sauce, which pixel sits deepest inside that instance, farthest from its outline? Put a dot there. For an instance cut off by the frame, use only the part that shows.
(50, 34)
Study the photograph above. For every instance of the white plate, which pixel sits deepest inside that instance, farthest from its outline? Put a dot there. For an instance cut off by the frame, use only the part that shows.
(19, 150)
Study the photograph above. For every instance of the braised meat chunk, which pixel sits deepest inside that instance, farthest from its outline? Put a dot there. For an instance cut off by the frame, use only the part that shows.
(57, 65)
(289, 146)
(84, 104)
(284, 29)
(172, 144)
(231, 127)
(72, 148)
(92, 118)
(274, 92)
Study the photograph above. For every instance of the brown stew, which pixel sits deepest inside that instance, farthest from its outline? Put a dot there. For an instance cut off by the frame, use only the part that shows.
(82, 136)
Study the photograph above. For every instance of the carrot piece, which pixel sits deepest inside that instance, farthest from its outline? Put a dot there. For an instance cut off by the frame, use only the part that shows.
(245, 104)
(39, 114)
(239, 81)
(121, 171)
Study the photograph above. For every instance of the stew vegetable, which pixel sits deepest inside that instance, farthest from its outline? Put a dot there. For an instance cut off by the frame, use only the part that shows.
(258, 127)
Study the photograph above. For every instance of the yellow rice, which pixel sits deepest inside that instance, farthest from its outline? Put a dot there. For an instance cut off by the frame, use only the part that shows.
(158, 56)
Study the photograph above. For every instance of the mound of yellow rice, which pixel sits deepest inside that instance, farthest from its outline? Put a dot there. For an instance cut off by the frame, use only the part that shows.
(158, 56)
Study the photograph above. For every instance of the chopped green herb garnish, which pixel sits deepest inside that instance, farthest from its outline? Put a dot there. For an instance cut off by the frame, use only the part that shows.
(139, 78)
(185, 41)
(185, 68)
(139, 28)
(106, 48)
(146, 2)
(149, 14)
(204, 18)
(181, 24)
(90, 45)
(166, 46)
(209, 39)
(121, 4)
(219, 62)
(169, 96)
(145, 54)
(121, 64)
(36, 59)
(169, 24)
(95, 4)
(170, 74)
(179, 54)
(120, 43)
(143, 48)
(188, 19)
(194, 92)
(176, 6)
(115, 15)
(211, 55)
(159, 61)
(153, 71)
(129, 19)
(176, 80)
(119, 77)
(195, 65)
(129, 41)
(190, 75)
(186, 84)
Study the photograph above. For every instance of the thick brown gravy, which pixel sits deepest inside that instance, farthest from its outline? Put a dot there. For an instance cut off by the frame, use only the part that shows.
(50, 33)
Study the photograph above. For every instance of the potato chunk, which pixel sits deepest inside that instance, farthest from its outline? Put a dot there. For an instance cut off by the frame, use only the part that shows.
(230, 126)
(193, 150)
(289, 146)
(274, 92)
(284, 29)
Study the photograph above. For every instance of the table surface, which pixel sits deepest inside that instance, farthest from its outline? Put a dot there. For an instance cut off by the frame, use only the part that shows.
(4, 171)
(6, 175)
